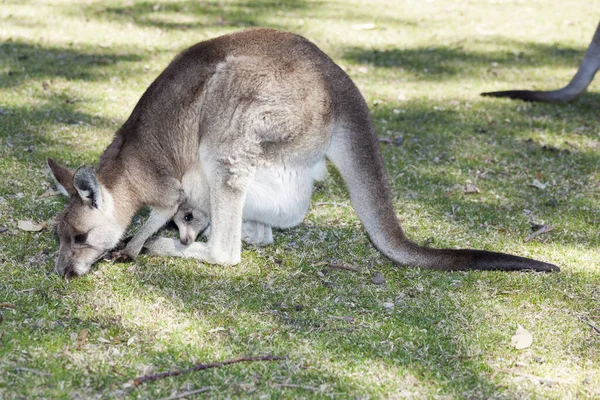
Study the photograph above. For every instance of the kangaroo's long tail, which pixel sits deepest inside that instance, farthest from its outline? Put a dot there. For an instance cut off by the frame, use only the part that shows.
(580, 82)
(355, 152)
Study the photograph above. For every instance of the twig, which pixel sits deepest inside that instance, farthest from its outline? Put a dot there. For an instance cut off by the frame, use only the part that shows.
(543, 229)
(33, 371)
(532, 377)
(342, 267)
(186, 394)
(590, 324)
(8, 305)
(149, 378)
(294, 386)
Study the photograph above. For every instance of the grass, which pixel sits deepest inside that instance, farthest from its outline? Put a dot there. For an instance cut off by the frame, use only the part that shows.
(70, 73)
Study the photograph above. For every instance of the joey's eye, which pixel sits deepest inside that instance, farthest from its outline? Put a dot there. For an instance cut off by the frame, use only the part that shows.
(80, 239)
(188, 217)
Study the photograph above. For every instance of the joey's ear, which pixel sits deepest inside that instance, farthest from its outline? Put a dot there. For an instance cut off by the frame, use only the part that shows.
(63, 177)
(87, 186)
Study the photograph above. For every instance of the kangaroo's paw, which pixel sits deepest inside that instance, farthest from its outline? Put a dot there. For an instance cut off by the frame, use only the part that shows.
(162, 246)
(257, 233)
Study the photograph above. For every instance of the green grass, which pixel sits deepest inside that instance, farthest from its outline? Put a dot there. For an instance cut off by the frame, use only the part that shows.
(71, 72)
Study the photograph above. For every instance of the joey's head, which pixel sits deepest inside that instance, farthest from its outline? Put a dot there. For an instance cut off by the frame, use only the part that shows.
(190, 221)
(87, 229)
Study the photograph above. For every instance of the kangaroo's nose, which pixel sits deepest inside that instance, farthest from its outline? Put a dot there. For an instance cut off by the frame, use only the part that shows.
(184, 240)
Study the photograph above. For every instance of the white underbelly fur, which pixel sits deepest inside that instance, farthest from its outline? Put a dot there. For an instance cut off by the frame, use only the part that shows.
(278, 196)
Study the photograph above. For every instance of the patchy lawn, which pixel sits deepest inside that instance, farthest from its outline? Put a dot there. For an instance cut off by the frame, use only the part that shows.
(71, 72)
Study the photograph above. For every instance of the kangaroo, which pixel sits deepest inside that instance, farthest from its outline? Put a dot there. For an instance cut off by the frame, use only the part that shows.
(190, 222)
(247, 119)
(580, 82)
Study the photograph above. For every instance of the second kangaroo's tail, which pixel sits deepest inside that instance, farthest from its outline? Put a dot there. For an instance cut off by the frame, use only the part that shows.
(580, 82)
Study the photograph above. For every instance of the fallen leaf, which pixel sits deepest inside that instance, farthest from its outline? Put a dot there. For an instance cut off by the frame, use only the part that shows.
(8, 305)
(103, 340)
(538, 184)
(131, 340)
(543, 229)
(81, 338)
(471, 189)
(49, 192)
(522, 339)
(364, 27)
(378, 279)
(3, 229)
(319, 264)
(30, 226)
(220, 328)
(388, 305)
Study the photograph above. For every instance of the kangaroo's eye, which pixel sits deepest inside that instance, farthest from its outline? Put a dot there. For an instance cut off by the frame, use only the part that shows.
(188, 217)
(80, 239)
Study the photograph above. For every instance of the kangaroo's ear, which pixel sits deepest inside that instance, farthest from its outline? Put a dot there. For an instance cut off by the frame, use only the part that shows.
(87, 186)
(63, 177)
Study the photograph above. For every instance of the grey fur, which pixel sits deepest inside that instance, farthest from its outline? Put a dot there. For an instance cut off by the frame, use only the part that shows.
(248, 118)
(87, 186)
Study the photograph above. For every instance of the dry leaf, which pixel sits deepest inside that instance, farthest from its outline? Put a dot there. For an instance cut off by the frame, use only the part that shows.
(471, 189)
(364, 27)
(81, 338)
(30, 226)
(49, 192)
(543, 229)
(538, 184)
(378, 278)
(131, 340)
(522, 339)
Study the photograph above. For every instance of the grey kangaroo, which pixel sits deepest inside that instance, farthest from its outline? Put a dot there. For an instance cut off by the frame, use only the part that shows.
(580, 82)
(245, 120)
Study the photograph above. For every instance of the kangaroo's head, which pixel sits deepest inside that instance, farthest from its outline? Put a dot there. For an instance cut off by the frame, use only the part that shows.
(87, 229)
(190, 222)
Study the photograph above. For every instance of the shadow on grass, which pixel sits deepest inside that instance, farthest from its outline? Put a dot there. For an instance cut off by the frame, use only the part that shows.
(436, 63)
(419, 339)
(441, 149)
(27, 61)
(187, 14)
(34, 133)
(322, 321)
(402, 343)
